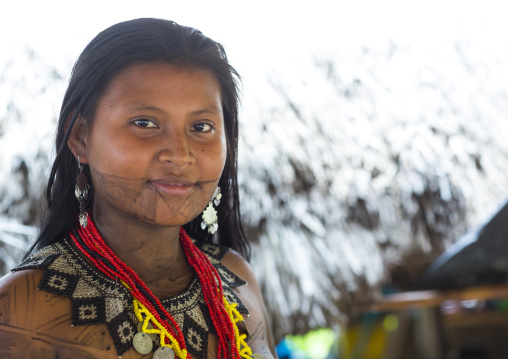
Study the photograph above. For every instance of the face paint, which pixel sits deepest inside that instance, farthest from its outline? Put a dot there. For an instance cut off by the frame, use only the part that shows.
(150, 203)
(156, 146)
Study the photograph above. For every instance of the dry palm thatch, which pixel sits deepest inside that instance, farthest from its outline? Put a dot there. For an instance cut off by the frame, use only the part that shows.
(364, 169)
(354, 170)
(29, 91)
(13, 242)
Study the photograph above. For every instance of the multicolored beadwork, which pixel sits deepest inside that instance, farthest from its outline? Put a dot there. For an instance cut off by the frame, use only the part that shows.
(224, 316)
(97, 299)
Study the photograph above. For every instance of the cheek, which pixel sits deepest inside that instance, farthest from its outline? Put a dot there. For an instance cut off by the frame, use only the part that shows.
(211, 164)
(224, 151)
(114, 155)
(212, 158)
(221, 156)
(116, 187)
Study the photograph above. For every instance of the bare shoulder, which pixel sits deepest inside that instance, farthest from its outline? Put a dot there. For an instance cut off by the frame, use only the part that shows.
(19, 300)
(238, 265)
(258, 324)
(38, 324)
(17, 294)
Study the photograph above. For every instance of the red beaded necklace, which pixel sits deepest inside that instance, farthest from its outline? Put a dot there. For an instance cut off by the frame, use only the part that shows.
(91, 244)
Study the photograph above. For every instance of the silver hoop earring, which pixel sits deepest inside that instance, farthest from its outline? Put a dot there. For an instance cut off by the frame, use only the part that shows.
(81, 192)
(210, 214)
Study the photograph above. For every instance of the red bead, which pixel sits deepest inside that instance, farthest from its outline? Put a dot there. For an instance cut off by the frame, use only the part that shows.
(211, 286)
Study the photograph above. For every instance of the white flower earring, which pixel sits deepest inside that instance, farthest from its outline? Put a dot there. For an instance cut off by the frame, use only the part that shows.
(210, 214)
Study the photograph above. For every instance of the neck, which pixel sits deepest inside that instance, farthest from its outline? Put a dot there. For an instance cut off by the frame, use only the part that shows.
(154, 253)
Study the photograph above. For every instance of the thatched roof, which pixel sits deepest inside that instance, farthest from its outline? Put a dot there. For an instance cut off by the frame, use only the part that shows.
(357, 170)
(31, 90)
(364, 168)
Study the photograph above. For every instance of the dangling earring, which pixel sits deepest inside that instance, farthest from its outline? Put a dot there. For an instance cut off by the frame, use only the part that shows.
(210, 214)
(81, 192)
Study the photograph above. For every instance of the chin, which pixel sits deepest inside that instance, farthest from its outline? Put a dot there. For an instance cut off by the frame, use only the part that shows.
(167, 221)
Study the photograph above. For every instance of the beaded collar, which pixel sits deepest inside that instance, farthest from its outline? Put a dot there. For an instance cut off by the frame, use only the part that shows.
(97, 299)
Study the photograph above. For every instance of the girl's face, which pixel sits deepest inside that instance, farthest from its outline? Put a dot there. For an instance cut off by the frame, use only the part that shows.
(156, 146)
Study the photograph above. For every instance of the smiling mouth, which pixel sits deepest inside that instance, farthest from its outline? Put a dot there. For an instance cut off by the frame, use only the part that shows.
(172, 187)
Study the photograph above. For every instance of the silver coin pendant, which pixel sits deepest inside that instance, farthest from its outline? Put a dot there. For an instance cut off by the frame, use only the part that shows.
(164, 353)
(142, 343)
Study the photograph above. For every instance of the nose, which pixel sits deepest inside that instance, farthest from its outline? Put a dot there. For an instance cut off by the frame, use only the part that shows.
(175, 150)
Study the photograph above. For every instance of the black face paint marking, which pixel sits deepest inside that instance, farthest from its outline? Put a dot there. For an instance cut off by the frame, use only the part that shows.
(148, 200)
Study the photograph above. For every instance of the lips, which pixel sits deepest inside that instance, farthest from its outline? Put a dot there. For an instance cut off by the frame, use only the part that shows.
(173, 186)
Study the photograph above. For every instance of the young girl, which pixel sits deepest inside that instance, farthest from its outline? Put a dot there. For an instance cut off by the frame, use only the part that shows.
(127, 263)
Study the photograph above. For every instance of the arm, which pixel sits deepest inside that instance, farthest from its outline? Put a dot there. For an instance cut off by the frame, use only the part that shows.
(17, 314)
(258, 324)
(20, 343)
(36, 324)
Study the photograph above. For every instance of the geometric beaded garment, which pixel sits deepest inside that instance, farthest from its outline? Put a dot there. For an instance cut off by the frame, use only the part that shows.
(97, 299)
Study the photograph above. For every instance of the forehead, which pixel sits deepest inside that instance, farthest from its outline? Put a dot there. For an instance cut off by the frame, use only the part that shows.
(156, 81)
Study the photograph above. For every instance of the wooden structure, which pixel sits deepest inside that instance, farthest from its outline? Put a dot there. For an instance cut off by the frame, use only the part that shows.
(435, 324)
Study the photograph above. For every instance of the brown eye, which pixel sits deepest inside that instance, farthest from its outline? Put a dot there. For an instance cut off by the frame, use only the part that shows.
(145, 123)
(202, 127)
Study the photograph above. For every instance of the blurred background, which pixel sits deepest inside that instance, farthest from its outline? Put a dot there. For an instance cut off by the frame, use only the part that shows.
(373, 159)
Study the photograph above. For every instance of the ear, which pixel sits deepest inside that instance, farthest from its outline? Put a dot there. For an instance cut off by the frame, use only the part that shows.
(77, 140)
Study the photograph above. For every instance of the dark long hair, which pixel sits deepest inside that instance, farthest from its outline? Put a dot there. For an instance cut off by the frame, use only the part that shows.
(125, 44)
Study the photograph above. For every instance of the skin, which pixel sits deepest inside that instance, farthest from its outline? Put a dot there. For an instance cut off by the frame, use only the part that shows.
(156, 148)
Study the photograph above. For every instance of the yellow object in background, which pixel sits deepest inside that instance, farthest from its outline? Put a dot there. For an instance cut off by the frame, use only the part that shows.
(368, 338)
(315, 344)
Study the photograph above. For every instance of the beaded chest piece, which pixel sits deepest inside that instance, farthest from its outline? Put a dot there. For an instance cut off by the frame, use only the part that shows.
(97, 299)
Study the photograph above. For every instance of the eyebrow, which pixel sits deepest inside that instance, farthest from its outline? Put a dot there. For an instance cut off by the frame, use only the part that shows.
(143, 107)
(212, 109)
